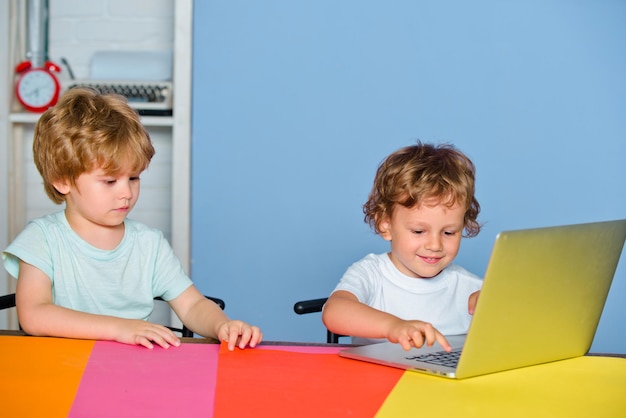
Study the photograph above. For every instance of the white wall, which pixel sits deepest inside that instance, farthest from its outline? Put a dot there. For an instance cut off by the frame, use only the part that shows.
(79, 28)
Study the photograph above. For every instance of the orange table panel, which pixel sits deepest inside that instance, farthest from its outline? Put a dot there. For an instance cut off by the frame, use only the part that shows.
(40, 376)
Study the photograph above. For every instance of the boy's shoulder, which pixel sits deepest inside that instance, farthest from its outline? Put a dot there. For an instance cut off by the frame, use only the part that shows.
(58, 218)
(375, 258)
(374, 265)
(51, 219)
(372, 259)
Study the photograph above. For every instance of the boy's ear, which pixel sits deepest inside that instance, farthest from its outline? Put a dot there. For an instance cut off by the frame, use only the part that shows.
(62, 186)
(384, 228)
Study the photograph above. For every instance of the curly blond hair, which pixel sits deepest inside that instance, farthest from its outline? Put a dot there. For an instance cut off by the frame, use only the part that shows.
(419, 173)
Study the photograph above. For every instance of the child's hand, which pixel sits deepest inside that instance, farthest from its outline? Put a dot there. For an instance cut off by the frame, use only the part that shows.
(138, 332)
(238, 333)
(415, 333)
(471, 303)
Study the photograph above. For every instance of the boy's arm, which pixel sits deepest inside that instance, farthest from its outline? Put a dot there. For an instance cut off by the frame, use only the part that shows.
(471, 303)
(39, 316)
(344, 314)
(204, 317)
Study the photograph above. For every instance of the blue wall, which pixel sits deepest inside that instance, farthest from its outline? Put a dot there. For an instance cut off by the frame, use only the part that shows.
(296, 103)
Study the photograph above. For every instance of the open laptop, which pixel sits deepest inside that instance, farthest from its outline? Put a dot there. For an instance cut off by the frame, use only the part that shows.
(541, 301)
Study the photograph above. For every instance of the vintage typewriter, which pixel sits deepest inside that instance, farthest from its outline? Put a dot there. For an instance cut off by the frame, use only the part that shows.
(149, 98)
(143, 77)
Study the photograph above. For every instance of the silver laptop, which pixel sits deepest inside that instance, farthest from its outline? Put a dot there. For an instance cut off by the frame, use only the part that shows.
(541, 301)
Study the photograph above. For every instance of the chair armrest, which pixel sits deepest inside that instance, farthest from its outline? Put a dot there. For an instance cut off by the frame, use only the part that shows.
(315, 305)
(309, 306)
(7, 301)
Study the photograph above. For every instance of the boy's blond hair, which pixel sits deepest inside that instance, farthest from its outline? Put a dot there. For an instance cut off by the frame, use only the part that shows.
(420, 174)
(86, 130)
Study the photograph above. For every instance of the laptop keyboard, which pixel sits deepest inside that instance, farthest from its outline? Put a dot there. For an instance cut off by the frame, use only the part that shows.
(442, 358)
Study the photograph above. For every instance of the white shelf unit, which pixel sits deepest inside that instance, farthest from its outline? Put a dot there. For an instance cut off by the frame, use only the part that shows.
(171, 165)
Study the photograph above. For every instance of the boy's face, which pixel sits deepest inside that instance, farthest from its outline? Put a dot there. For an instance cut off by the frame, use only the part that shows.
(424, 238)
(100, 199)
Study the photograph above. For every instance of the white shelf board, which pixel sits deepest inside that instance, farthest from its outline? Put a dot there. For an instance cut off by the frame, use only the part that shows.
(26, 117)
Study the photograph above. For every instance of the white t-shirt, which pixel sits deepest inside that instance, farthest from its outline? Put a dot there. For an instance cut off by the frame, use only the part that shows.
(441, 300)
(121, 282)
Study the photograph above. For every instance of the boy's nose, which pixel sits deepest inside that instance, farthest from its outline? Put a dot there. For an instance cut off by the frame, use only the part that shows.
(125, 191)
(434, 243)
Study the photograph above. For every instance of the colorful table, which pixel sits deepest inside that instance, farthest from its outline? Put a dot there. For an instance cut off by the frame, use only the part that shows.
(77, 378)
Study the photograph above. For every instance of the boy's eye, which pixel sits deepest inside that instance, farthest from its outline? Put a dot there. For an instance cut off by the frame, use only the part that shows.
(113, 181)
(450, 233)
(418, 231)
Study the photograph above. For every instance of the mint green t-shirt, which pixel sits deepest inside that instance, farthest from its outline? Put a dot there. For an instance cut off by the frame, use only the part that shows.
(121, 282)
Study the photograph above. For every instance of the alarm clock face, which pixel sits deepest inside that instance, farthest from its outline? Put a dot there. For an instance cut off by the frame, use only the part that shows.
(37, 90)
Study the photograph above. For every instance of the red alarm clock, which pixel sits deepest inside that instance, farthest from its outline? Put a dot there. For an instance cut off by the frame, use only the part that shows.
(37, 89)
